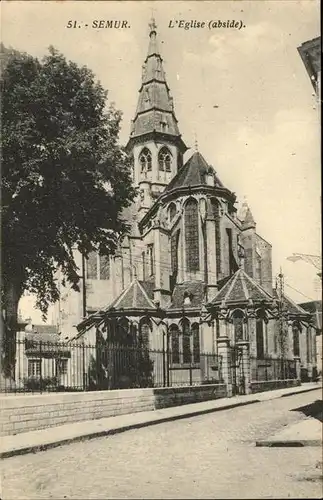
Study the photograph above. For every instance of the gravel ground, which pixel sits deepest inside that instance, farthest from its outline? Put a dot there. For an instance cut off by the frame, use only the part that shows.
(208, 456)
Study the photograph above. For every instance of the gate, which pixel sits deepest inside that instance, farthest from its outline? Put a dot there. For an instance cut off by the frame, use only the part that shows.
(237, 371)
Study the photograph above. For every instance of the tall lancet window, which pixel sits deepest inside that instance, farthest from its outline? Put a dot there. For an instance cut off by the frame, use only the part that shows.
(192, 236)
(237, 320)
(165, 159)
(145, 160)
(216, 215)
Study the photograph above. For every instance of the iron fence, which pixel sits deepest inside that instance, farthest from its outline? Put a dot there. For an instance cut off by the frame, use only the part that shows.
(272, 369)
(75, 366)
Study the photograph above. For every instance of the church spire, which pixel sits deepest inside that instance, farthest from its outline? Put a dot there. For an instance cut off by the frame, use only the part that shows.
(246, 217)
(155, 115)
(153, 46)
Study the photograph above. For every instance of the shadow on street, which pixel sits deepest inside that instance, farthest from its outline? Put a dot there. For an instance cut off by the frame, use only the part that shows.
(314, 410)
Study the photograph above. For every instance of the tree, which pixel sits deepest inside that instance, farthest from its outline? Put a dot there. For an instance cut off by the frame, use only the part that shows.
(65, 179)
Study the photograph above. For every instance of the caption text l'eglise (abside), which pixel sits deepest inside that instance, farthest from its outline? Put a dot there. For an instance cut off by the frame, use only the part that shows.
(209, 24)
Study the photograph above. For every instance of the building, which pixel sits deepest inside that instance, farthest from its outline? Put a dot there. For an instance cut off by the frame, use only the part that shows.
(315, 308)
(42, 361)
(311, 53)
(193, 275)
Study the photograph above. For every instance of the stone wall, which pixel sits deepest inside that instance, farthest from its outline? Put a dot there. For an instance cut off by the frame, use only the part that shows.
(22, 413)
(270, 385)
(166, 397)
(30, 412)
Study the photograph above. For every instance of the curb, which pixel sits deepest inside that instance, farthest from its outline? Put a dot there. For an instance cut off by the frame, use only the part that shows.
(118, 430)
(139, 425)
(298, 443)
(301, 392)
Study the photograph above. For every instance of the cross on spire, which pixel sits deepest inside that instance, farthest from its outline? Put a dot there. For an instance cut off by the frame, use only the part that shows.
(196, 144)
(152, 26)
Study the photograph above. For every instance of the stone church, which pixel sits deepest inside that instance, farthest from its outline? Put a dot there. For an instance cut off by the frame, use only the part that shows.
(193, 272)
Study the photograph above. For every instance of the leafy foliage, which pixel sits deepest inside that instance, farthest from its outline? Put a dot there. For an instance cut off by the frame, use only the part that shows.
(121, 364)
(65, 179)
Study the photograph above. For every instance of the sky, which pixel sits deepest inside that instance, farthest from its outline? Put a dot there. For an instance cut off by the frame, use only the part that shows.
(244, 94)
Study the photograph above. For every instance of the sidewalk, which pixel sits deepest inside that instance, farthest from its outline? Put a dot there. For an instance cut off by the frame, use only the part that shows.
(305, 433)
(31, 442)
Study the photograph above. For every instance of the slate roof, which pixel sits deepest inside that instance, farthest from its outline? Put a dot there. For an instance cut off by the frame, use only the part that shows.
(291, 306)
(47, 329)
(240, 288)
(133, 297)
(315, 308)
(44, 333)
(195, 289)
(193, 173)
(138, 295)
(149, 288)
(155, 108)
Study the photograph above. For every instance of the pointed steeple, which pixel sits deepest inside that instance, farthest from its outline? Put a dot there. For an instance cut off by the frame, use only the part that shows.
(246, 217)
(155, 114)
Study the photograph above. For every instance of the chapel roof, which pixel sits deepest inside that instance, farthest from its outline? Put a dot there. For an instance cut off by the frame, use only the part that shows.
(133, 297)
(240, 288)
(290, 306)
(137, 296)
(193, 173)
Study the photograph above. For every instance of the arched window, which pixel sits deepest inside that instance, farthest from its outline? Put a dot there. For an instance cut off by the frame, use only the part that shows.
(111, 326)
(260, 333)
(174, 252)
(296, 331)
(123, 333)
(186, 341)
(145, 160)
(144, 332)
(237, 319)
(196, 342)
(174, 333)
(98, 266)
(171, 211)
(165, 159)
(216, 215)
(192, 236)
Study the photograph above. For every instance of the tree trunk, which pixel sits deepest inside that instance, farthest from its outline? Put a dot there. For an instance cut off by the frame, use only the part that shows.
(8, 333)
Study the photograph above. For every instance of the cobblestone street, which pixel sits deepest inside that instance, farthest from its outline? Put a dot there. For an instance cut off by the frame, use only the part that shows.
(207, 456)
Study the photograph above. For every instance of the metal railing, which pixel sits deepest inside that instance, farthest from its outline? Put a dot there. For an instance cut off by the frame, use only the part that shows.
(268, 369)
(75, 366)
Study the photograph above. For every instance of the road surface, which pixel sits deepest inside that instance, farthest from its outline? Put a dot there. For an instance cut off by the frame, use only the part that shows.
(207, 456)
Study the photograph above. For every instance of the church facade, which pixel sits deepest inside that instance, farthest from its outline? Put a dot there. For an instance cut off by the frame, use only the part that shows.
(192, 274)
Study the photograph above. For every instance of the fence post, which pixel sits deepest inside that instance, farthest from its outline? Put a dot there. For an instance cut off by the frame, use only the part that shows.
(205, 347)
(83, 365)
(167, 358)
(245, 347)
(41, 368)
(164, 358)
(224, 352)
